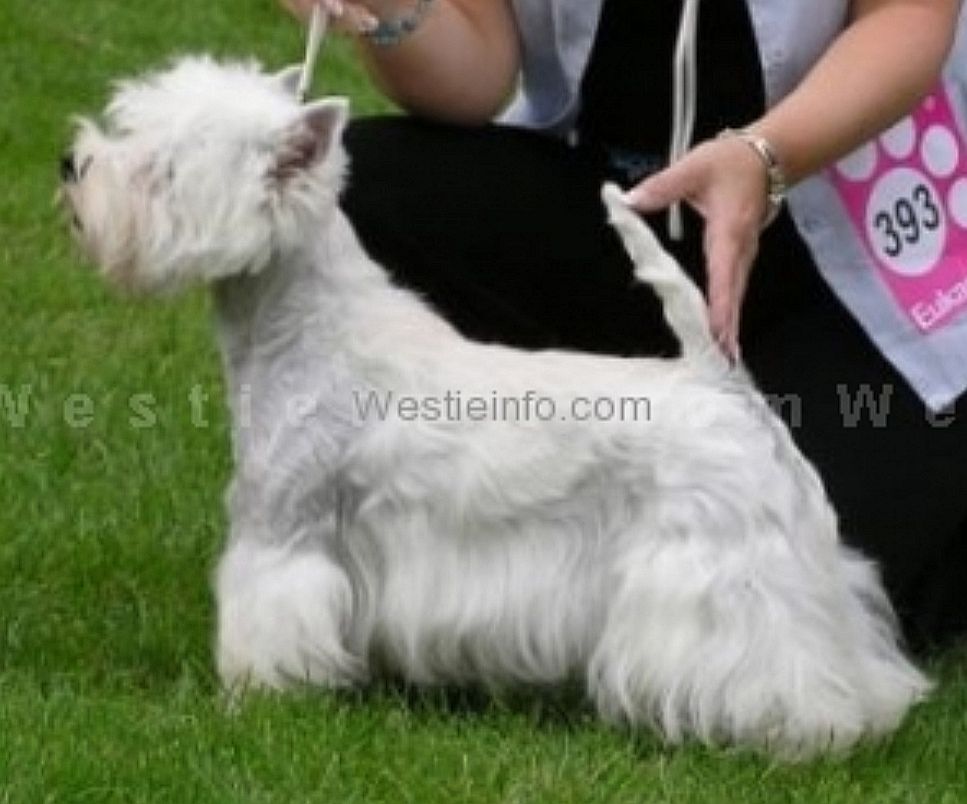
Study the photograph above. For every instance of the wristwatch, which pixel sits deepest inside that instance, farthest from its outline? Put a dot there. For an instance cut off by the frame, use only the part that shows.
(776, 183)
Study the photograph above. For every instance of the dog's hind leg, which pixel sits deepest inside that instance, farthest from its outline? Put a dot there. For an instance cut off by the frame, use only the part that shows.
(748, 642)
(283, 615)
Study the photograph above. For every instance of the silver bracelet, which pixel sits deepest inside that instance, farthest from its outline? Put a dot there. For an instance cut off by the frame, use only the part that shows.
(776, 183)
(388, 33)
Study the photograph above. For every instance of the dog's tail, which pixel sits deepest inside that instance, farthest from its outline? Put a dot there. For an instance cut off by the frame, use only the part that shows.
(682, 302)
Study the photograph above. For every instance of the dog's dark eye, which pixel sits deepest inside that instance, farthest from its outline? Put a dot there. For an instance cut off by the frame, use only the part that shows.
(68, 173)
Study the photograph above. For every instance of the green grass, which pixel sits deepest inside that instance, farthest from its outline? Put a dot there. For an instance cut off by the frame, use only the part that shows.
(108, 531)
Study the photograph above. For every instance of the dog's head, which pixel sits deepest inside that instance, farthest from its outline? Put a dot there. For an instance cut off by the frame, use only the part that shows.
(202, 171)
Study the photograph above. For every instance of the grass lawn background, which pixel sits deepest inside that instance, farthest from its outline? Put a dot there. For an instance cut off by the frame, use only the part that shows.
(108, 530)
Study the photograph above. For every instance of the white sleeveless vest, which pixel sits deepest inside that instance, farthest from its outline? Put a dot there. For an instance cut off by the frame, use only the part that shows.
(887, 227)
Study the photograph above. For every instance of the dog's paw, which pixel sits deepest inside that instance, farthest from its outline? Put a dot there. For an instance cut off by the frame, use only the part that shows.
(282, 618)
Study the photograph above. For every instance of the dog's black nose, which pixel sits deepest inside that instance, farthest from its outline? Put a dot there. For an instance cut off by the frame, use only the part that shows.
(68, 173)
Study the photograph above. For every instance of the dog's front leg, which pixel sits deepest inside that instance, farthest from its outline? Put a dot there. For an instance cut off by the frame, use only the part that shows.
(284, 611)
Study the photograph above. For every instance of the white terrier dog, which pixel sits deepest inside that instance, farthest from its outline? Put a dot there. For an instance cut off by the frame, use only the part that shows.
(685, 566)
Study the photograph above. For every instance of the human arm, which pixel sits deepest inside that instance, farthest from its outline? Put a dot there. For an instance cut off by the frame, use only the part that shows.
(875, 72)
(460, 65)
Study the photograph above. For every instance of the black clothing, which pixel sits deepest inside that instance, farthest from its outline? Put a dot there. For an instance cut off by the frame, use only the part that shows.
(503, 231)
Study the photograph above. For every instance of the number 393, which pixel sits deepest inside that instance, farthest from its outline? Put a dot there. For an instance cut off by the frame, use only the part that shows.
(905, 222)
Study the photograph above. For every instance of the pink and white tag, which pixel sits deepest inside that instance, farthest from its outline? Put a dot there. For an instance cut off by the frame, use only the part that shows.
(906, 193)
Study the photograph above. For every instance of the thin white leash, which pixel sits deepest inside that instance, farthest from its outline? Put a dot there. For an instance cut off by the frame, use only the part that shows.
(685, 100)
(317, 32)
(685, 87)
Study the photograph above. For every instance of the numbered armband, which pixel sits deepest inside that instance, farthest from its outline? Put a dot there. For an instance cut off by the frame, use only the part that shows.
(906, 197)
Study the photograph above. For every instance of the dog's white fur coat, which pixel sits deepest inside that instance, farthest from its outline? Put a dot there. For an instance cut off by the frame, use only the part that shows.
(687, 568)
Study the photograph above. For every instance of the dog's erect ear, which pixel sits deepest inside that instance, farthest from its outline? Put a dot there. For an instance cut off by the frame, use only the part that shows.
(288, 79)
(309, 139)
(327, 118)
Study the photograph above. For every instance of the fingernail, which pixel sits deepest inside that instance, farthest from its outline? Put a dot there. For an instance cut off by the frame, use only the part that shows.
(635, 196)
(645, 199)
(729, 343)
